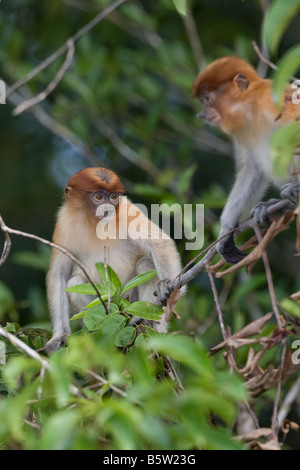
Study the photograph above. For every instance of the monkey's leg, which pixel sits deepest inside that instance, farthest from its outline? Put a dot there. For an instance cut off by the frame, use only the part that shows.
(61, 326)
(248, 188)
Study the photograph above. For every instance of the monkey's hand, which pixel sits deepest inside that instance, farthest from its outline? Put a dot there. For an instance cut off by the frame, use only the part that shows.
(290, 191)
(55, 343)
(229, 251)
(163, 291)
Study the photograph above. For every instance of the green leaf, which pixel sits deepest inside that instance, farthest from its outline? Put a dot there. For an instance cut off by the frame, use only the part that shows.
(145, 310)
(283, 145)
(182, 349)
(94, 316)
(64, 421)
(287, 67)
(113, 279)
(124, 304)
(278, 17)
(137, 280)
(125, 337)
(292, 307)
(87, 288)
(180, 6)
(112, 324)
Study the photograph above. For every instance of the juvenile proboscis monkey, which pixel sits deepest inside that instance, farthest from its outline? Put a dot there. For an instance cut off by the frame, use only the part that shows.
(93, 224)
(240, 102)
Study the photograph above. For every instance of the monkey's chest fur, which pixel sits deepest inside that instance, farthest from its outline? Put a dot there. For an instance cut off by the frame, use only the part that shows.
(120, 255)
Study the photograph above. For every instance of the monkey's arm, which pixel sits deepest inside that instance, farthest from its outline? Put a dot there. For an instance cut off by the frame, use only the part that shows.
(249, 187)
(58, 301)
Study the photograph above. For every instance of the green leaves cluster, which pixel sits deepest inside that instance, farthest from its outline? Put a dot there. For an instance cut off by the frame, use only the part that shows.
(108, 389)
(121, 310)
(95, 397)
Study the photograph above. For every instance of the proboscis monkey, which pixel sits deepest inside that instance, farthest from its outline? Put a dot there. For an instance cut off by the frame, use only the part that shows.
(240, 102)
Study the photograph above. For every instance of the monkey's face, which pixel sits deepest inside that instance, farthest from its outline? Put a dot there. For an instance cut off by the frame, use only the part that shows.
(209, 111)
(105, 203)
(226, 106)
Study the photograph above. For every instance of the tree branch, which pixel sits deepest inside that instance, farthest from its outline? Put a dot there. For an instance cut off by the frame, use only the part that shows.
(51, 86)
(53, 57)
(6, 229)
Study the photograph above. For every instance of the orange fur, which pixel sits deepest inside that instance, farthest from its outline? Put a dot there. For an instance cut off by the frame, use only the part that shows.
(245, 113)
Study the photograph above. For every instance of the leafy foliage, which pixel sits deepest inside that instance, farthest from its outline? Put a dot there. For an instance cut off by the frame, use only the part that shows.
(96, 396)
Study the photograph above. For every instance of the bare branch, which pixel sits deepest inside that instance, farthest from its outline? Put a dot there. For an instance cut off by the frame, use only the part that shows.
(277, 396)
(24, 347)
(53, 57)
(288, 401)
(6, 248)
(51, 86)
(269, 279)
(57, 128)
(194, 40)
(6, 229)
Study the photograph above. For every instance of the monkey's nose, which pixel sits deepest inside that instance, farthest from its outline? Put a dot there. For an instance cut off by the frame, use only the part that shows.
(201, 115)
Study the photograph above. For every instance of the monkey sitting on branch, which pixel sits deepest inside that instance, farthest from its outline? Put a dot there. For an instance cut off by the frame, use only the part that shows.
(237, 100)
(97, 223)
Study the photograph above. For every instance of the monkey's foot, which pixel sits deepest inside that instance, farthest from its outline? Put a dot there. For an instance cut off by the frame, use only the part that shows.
(229, 251)
(290, 191)
(262, 212)
(163, 291)
(55, 343)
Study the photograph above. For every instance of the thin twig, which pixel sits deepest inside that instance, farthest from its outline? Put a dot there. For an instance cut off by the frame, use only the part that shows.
(106, 279)
(192, 32)
(103, 381)
(277, 396)
(6, 248)
(269, 278)
(288, 401)
(51, 86)
(173, 374)
(6, 229)
(262, 57)
(265, 60)
(220, 316)
(218, 307)
(125, 150)
(46, 120)
(53, 57)
(24, 347)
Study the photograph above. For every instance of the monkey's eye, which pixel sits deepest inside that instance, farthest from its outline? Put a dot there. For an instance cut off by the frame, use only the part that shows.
(98, 197)
(114, 196)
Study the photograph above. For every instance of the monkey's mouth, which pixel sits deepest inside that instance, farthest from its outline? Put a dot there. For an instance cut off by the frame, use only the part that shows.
(213, 120)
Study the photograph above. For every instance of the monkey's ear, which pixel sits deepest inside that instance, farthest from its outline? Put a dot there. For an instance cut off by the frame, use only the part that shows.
(241, 81)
